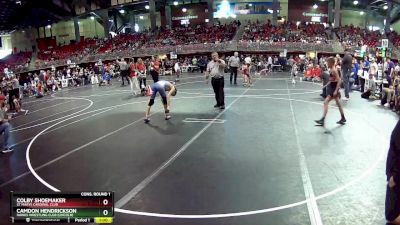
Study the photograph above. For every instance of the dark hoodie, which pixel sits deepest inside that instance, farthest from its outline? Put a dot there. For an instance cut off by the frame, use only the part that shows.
(393, 159)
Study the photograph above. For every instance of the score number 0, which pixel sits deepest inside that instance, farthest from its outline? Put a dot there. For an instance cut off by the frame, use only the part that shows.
(105, 202)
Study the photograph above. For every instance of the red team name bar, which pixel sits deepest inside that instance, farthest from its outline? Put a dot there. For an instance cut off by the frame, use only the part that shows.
(82, 207)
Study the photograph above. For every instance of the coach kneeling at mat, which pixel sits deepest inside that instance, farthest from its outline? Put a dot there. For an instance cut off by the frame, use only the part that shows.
(392, 207)
(162, 87)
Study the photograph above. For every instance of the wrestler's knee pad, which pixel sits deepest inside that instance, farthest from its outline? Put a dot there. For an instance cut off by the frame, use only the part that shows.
(151, 102)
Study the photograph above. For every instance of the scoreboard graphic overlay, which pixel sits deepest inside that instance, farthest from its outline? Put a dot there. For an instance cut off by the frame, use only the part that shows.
(81, 207)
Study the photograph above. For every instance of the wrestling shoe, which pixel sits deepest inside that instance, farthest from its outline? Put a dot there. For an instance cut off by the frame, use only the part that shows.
(320, 122)
(7, 150)
(342, 121)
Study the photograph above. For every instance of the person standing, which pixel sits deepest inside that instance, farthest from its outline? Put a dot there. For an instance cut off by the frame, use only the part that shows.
(373, 72)
(177, 69)
(333, 87)
(155, 68)
(202, 64)
(392, 203)
(233, 63)
(269, 63)
(365, 68)
(389, 69)
(356, 68)
(124, 68)
(246, 73)
(133, 77)
(215, 69)
(346, 73)
(4, 125)
(325, 81)
(14, 92)
(194, 61)
(141, 73)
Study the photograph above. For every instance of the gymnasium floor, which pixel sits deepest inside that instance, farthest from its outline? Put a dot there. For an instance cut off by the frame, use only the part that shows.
(259, 161)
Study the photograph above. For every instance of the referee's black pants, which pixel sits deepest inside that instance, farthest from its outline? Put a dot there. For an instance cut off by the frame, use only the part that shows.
(124, 75)
(218, 86)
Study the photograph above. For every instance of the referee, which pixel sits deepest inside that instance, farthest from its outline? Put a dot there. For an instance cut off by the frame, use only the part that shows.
(215, 69)
(124, 68)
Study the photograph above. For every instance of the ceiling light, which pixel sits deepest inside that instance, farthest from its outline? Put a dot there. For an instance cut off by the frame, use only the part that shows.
(315, 6)
(147, 7)
(49, 26)
(141, 17)
(122, 11)
(362, 13)
(175, 3)
(355, 2)
(385, 7)
(92, 17)
(250, 5)
(184, 9)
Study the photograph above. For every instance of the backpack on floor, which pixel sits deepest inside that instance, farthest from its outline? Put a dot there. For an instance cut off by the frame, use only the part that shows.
(366, 94)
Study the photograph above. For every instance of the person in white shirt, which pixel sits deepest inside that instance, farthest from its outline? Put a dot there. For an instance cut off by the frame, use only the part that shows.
(177, 69)
(215, 69)
(234, 63)
(373, 71)
(269, 67)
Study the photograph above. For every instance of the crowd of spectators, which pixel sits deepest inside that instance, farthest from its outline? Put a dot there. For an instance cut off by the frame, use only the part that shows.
(351, 36)
(16, 62)
(181, 35)
(394, 37)
(185, 35)
(266, 35)
(284, 32)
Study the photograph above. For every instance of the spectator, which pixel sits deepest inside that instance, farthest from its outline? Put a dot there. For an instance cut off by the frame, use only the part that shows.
(392, 206)
(4, 125)
(202, 64)
(142, 72)
(365, 68)
(155, 68)
(133, 78)
(234, 63)
(346, 73)
(389, 69)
